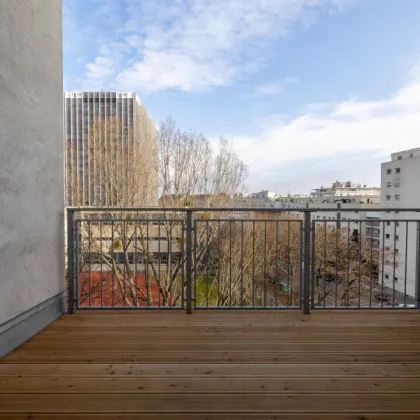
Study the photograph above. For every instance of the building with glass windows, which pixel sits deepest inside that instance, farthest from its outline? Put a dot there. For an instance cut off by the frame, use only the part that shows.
(110, 142)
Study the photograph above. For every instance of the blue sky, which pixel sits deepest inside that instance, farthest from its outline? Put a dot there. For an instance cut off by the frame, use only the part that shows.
(309, 91)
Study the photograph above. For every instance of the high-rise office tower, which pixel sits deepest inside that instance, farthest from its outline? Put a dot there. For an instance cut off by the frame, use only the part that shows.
(110, 150)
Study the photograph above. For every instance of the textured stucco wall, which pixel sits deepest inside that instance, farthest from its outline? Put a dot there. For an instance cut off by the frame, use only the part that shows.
(31, 155)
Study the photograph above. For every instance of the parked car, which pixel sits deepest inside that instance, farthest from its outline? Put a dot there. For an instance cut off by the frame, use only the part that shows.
(382, 297)
(329, 278)
(407, 305)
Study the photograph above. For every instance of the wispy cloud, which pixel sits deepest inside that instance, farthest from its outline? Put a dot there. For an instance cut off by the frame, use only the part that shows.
(341, 130)
(274, 88)
(195, 45)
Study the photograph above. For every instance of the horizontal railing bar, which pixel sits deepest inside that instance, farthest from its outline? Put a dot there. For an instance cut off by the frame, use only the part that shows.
(250, 220)
(373, 307)
(246, 220)
(131, 220)
(118, 308)
(246, 308)
(344, 221)
(239, 209)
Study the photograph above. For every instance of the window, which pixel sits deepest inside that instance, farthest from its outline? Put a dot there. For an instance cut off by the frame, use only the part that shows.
(395, 279)
(388, 184)
(119, 257)
(387, 262)
(399, 158)
(411, 155)
(135, 258)
(93, 258)
(397, 184)
(397, 224)
(396, 250)
(388, 223)
(397, 237)
(388, 197)
(387, 248)
(397, 197)
(387, 236)
(388, 171)
(397, 170)
(387, 276)
(396, 212)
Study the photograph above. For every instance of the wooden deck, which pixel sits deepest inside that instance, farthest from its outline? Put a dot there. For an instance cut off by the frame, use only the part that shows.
(217, 366)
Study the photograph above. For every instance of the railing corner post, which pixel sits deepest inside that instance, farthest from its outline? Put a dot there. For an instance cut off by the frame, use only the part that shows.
(306, 262)
(70, 262)
(417, 285)
(189, 261)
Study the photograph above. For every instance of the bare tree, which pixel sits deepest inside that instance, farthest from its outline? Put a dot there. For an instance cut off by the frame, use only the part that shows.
(250, 262)
(346, 266)
(121, 175)
(191, 174)
(259, 263)
(120, 171)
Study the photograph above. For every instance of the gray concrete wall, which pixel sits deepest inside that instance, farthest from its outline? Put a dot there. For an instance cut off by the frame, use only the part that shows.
(31, 155)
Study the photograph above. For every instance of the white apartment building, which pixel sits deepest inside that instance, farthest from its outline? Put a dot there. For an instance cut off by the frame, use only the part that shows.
(400, 182)
(345, 189)
(340, 196)
(267, 195)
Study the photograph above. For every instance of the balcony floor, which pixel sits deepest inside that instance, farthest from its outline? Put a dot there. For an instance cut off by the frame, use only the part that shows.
(217, 366)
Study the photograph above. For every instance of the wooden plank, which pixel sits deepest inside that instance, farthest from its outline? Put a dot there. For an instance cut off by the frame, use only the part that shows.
(212, 370)
(257, 313)
(242, 317)
(197, 346)
(134, 337)
(205, 385)
(142, 331)
(208, 403)
(248, 321)
(208, 357)
(216, 416)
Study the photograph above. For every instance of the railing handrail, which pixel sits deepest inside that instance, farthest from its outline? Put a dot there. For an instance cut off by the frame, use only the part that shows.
(240, 209)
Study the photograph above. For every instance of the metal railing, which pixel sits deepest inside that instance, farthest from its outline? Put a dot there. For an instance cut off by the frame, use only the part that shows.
(155, 258)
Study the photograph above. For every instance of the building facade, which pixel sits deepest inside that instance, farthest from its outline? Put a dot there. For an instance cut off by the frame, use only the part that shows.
(341, 189)
(338, 197)
(32, 284)
(110, 139)
(400, 189)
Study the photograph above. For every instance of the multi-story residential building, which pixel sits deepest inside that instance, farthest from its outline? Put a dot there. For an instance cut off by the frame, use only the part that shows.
(95, 123)
(264, 194)
(341, 189)
(399, 182)
(339, 196)
(373, 228)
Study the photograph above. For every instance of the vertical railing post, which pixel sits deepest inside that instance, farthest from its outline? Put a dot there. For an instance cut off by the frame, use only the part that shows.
(189, 258)
(417, 285)
(70, 261)
(306, 261)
